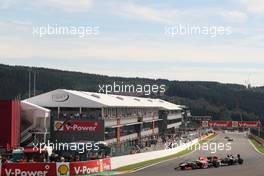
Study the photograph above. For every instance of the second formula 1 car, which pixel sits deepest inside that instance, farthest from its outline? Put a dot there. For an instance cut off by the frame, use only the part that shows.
(210, 161)
(231, 160)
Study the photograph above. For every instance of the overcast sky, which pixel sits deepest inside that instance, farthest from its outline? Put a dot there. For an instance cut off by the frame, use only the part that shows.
(132, 41)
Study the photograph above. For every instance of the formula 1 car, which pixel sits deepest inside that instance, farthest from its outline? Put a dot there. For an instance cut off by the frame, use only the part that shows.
(211, 161)
(230, 139)
(193, 165)
(230, 160)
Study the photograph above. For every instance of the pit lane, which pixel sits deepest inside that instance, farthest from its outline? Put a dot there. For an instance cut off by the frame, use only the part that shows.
(253, 161)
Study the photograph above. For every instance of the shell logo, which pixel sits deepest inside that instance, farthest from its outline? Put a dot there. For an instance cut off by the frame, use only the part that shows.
(58, 125)
(234, 124)
(63, 169)
(205, 123)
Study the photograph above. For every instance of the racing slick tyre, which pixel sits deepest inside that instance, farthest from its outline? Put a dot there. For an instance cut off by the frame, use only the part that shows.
(240, 161)
(182, 168)
(216, 164)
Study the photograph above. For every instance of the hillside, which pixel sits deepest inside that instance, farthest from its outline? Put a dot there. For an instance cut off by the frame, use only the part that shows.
(222, 101)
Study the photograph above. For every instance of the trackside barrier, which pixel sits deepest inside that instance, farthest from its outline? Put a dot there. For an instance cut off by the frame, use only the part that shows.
(258, 139)
(34, 169)
(56, 169)
(126, 160)
(206, 136)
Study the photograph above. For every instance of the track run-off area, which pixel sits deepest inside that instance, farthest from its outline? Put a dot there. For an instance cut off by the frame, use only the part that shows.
(253, 161)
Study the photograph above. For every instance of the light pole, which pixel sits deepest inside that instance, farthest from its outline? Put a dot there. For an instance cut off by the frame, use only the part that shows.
(29, 83)
(34, 89)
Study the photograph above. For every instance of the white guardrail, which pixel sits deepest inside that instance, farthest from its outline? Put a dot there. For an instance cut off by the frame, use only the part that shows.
(126, 160)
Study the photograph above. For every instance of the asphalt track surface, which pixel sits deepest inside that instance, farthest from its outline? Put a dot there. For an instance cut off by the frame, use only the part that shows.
(253, 161)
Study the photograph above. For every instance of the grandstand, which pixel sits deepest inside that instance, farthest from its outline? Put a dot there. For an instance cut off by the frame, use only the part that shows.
(122, 121)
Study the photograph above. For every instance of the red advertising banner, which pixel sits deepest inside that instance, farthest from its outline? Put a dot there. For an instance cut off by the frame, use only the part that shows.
(77, 125)
(232, 124)
(217, 124)
(90, 167)
(32, 169)
(249, 124)
(220, 123)
(53, 169)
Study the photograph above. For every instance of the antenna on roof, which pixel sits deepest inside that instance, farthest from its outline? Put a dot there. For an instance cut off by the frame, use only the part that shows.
(34, 89)
(29, 82)
(248, 85)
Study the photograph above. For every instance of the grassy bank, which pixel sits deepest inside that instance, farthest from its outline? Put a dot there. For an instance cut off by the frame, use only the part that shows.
(150, 162)
(258, 146)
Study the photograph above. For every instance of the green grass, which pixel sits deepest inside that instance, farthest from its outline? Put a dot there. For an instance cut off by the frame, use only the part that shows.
(150, 162)
(258, 146)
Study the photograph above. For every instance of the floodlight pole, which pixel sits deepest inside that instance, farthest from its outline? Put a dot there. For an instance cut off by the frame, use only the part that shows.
(34, 84)
(29, 83)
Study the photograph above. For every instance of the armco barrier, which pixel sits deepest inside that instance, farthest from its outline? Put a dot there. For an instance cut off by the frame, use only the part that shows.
(56, 169)
(126, 160)
(258, 139)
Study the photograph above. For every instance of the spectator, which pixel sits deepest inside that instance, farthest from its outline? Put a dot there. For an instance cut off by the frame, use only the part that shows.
(22, 160)
(4, 160)
(31, 160)
(62, 159)
(77, 158)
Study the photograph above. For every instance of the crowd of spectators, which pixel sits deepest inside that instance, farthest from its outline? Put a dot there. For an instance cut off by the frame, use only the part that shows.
(91, 116)
(162, 142)
(147, 144)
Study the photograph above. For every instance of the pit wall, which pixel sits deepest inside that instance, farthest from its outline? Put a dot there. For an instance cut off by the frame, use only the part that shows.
(121, 161)
(126, 160)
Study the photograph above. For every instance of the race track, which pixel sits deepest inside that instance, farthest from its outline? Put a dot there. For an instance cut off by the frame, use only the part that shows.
(253, 161)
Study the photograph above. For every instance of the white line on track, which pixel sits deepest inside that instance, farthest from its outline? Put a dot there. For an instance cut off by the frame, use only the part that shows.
(255, 147)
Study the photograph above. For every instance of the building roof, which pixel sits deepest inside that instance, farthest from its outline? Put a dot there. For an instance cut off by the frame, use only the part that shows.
(38, 110)
(72, 98)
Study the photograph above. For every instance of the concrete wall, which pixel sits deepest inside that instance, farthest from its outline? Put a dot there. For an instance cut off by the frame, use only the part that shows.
(125, 160)
(120, 161)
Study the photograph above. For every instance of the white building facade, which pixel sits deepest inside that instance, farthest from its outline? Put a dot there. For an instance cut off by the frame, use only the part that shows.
(115, 119)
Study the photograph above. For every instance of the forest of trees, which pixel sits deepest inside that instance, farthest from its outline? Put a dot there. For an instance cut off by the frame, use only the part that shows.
(222, 101)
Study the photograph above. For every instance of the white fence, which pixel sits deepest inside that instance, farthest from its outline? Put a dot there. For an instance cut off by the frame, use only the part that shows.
(126, 160)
